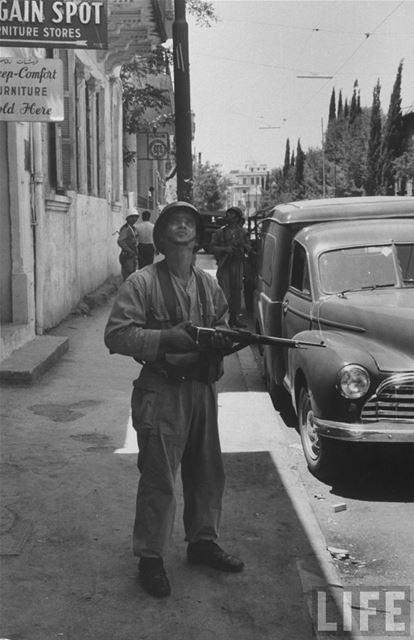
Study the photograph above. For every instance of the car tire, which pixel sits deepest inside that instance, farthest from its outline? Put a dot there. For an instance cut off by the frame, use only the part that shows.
(321, 453)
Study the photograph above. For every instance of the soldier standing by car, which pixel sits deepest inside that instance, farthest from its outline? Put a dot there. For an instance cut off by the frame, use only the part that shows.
(127, 240)
(174, 403)
(229, 246)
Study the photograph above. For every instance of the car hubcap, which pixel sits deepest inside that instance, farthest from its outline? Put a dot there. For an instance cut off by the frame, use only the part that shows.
(311, 438)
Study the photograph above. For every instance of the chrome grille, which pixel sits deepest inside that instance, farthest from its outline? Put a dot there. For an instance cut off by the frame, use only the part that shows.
(394, 400)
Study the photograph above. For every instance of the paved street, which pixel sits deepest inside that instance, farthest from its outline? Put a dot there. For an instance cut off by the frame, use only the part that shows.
(68, 491)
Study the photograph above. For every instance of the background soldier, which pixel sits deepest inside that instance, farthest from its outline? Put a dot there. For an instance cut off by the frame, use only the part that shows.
(127, 240)
(229, 246)
(144, 232)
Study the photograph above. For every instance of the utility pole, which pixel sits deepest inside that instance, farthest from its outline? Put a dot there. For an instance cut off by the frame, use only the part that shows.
(183, 128)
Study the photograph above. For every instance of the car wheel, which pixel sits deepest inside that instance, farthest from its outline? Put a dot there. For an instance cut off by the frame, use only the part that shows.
(319, 452)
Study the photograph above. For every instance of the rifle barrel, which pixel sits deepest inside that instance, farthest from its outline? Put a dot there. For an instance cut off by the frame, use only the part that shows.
(247, 337)
(286, 342)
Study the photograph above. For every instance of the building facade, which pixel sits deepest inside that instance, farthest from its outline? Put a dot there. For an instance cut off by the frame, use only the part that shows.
(247, 185)
(63, 188)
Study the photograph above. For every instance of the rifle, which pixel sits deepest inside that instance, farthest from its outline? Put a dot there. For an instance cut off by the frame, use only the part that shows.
(203, 337)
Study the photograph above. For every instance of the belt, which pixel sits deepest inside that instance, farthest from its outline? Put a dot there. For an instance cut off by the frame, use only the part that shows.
(174, 374)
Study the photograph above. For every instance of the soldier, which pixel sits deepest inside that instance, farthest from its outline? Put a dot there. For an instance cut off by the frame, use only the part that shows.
(229, 246)
(127, 240)
(174, 402)
(145, 230)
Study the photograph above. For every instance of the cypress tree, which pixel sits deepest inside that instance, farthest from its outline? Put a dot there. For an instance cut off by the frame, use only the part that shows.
(340, 106)
(299, 167)
(393, 140)
(372, 182)
(287, 159)
(332, 107)
(346, 109)
(353, 111)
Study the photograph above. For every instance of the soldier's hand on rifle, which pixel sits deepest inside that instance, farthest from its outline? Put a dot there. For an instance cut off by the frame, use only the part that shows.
(177, 339)
(221, 342)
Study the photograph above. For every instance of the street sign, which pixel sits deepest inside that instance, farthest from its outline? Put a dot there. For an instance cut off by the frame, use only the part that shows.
(80, 24)
(31, 90)
(157, 146)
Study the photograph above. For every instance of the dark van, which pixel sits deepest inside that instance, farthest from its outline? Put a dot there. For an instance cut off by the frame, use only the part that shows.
(341, 271)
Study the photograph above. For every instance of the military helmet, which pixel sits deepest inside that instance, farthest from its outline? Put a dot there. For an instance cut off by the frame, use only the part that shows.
(236, 210)
(163, 218)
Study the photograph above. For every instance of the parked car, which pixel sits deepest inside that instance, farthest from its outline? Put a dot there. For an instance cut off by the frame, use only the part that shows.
(341, 271)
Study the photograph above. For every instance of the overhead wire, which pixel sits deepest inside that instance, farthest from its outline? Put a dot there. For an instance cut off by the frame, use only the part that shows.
(367, 35)
(321, 29)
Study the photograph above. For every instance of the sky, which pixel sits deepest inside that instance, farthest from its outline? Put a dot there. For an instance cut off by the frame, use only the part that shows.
(245, 93)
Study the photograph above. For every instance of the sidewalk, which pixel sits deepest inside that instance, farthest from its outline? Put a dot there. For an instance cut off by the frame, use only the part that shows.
(68, 495)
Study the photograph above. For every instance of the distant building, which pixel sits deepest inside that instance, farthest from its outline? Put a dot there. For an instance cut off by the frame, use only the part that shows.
(246, 187)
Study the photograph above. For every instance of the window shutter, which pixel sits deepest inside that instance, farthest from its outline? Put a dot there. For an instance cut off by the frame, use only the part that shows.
(67, 127)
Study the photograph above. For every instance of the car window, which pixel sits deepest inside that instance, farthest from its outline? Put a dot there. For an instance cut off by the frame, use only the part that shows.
(358, 268)
(268, 258)
(405, 255)
(299, 275)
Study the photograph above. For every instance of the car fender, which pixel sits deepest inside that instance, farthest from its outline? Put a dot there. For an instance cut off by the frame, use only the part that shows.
(318, 368)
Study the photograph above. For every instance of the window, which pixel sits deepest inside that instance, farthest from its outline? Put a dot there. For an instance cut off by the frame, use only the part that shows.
(77, 145)
(371, 267)
(90, 143)
(61, 160)
(268, 255)
(116, 140)
(299, 277)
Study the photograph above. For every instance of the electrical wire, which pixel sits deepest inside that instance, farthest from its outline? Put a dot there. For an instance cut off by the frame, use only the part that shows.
(342, 65)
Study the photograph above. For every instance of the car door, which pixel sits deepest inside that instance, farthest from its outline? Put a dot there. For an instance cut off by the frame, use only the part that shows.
(297, 302)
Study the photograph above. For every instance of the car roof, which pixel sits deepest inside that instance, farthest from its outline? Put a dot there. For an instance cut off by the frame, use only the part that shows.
(304, 212)
(323, 237)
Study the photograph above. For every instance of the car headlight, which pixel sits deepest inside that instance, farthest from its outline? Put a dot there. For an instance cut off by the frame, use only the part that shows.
(354, 381)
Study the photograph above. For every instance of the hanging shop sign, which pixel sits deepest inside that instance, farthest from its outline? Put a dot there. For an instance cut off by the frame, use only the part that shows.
(80, 24)
(157, 146)
(31, 90)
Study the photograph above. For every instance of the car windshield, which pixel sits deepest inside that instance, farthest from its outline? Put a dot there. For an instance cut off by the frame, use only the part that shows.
(357, 268)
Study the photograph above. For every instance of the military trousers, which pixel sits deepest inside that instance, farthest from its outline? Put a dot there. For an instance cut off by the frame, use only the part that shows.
(176, 423)
(230, 279)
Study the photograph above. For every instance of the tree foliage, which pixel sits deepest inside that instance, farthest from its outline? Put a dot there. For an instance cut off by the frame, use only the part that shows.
(392, 142)
(138, 94)
(203, 11)
(374, 143)
(361, 155)
(210, 187)
(144, 103)
(332, 107)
